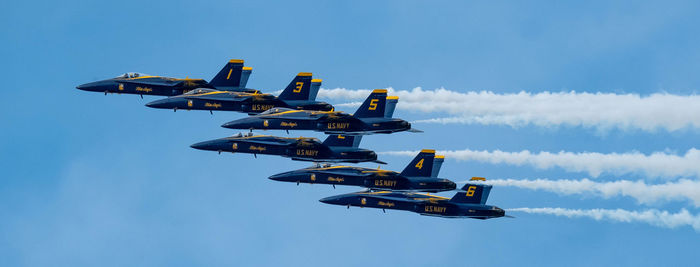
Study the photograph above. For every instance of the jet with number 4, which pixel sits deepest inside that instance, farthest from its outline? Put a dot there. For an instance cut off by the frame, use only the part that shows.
(470, 202)
(373, 117)
(336, 148)
(232, 77)
(419, 175)
(299, 94)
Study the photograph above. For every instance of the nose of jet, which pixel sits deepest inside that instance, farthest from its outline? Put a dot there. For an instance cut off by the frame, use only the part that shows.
(207, 145)
(284, 177)
(88, 86)
(244, 123)
(160, 103)
(334, 200)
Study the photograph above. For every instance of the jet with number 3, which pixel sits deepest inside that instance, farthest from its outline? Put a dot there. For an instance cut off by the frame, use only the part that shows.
(470, 202)
(299, 94)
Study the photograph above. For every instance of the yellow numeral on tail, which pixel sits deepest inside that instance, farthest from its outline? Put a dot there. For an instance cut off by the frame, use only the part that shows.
(373, 104)
(419, 165)
(470, 191)
(298, 88)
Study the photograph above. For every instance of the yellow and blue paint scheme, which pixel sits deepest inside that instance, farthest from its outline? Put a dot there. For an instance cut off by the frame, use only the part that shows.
(417, 176)
(334, 149)
(247, 102)
(467, 203)
(372, 117)
(232, 77)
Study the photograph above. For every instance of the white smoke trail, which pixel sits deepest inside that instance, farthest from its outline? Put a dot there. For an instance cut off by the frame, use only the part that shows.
(653, 217)
(657, 164)
(684, 190)
(592, 110)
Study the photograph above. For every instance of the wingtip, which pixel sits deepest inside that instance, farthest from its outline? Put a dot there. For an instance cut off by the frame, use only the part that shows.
(414, 130)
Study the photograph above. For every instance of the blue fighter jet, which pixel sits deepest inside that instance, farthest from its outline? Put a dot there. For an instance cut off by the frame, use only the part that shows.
(374, 116)
(233, 77)
(299, 94)
(336, 148)
(468, 203)
(420, 175)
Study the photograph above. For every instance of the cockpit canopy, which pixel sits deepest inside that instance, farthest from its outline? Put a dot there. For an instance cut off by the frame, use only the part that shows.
(275, 110)
(200, 91)
(131, 75)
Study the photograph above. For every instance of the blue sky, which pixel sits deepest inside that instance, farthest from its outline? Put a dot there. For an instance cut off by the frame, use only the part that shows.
(92, 180)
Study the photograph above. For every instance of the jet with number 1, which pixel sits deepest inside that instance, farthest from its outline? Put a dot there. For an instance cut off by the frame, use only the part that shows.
(419, 175)
(233, 77)
(468, 203)
(373, 117)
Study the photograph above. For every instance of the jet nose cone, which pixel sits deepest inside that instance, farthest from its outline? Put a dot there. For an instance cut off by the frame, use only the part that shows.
(451, 185)
(88, 86)
(329, 200)
(244, 123)
(160, 103)
(280, 177)
(206, 145)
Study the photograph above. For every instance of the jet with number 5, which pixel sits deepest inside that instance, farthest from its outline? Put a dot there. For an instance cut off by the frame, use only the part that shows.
(336, 148)
(299, 94)
(470, 202)
(232, 77)
(419, 175)
(373, 117)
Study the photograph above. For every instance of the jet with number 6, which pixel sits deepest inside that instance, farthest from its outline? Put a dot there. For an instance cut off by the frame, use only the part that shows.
(373, 117)
(233, 77)
(470, 202)
(299, 94)
(419, 175)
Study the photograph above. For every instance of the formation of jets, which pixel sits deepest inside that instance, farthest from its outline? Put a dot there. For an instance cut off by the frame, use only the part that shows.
(296, 108)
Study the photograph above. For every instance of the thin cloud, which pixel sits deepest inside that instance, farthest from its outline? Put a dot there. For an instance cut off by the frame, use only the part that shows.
(601, 111)
(683, 190)
(655, 165)
(652, 217)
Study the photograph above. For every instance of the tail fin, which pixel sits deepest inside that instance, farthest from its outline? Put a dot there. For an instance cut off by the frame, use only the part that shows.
(374, 105)
(476, 193)
(343, 140)
(391, 102)
(245, 74)
(421, 165)
(299, 88)
(233, 75)
(437, 164)
(315, 86)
